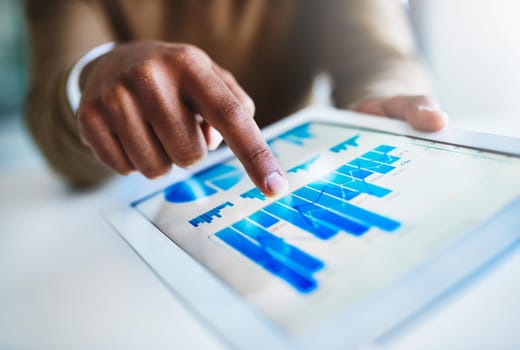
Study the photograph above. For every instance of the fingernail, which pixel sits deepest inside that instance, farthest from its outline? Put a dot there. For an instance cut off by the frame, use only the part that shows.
(428, 108)
(276, 183)
(215, 139)
(433, 109)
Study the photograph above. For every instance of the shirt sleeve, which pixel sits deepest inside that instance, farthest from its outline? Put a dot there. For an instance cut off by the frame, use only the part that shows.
(370, 53)
(60, 32)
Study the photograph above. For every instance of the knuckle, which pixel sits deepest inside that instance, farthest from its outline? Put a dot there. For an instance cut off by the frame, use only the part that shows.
(86, 112)
(190, 53)
(88, 123)
(259, 154)
(113, 97)
(420, 99)
(249, 106)
(227, 74)
(143, 73)
(187, 159)
(232, 112)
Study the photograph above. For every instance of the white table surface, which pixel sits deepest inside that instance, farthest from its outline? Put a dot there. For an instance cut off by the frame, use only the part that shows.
(68, 281)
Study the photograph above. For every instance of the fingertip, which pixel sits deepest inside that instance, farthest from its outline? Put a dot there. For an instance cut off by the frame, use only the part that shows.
(430, 118)
(276, 184)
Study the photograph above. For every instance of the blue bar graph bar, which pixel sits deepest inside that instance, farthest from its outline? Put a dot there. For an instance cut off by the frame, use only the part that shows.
(295, 218)
(263, 219)
(253, 193)
(358, 185)
(381, 157)
(287, 254)
(372, 166)
(303, 284)
(359, 214)
(354, 172)
(314, 212)
(384, 148)
(340, 192)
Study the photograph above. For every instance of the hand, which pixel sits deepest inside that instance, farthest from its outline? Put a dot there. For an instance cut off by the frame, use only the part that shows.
(420, 111)
(148, 105)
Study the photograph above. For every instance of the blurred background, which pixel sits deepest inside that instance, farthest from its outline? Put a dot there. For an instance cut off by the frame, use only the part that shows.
(13, 76)
(473, 50)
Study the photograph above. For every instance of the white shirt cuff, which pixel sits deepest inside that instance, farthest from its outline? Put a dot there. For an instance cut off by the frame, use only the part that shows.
(73, 90)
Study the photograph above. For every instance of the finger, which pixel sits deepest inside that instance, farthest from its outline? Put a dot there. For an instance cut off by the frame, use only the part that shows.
(373, 107)
(211, 135)
(240, 94)
(227, 113)
(173, 122)
(235, 88)
(138, 140)
(420, 111)
(96, 134)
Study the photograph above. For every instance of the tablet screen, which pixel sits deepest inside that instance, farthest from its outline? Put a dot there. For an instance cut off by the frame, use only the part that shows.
(365, 209)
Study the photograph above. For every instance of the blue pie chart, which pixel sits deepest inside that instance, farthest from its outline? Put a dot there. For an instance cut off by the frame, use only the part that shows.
(204, 184)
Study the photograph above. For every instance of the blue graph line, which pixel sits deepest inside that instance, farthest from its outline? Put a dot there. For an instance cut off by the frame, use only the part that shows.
(380, 157)
(366, 217)
(337, 191)
(296, 218)
(371, 166)
(358, 173)
(357, 185)
(308, 208)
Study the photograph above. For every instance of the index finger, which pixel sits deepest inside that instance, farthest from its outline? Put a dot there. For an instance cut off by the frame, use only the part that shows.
(234, 120)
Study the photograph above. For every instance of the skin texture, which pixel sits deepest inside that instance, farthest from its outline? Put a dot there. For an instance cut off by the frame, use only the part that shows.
(148, 105)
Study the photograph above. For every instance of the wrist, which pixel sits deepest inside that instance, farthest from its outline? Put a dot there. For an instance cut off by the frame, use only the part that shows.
(73, 89)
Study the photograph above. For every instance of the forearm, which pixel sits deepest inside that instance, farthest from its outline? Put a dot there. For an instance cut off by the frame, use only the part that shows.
(55, 131)
(59, 33)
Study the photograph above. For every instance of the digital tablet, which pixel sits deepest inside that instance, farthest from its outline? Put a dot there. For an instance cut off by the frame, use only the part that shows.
(378, 221)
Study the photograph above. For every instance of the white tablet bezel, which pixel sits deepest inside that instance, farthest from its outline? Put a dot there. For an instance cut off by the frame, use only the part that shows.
(238, 323)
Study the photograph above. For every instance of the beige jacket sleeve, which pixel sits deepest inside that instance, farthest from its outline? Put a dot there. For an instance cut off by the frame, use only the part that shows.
(59, 33)
(369, 51)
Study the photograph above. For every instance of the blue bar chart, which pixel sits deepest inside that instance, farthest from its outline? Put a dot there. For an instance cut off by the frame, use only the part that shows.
(277, 257)
(321, 208)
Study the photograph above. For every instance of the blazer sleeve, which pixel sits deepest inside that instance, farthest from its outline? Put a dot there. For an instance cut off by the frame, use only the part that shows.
(370, 53)
(60, 32)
